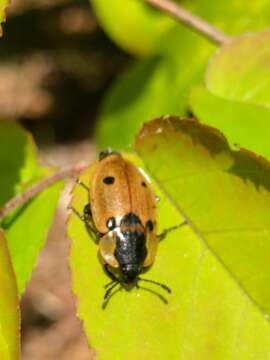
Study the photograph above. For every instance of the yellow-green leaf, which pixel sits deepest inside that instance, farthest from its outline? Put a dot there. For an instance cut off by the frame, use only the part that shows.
(27, 226)
(3, 5)
(240, 70)
(17, 159)
(236, 97)
(27, 232)
(156, 86)
(132, 24)
(207, 316)
(243, 124)
(225, 195)
(9, 306)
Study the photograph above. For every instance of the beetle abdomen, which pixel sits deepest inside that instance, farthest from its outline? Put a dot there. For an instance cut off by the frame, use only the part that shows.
(130, 250)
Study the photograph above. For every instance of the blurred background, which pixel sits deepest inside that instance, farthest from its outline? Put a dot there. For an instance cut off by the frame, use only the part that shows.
(56, 63)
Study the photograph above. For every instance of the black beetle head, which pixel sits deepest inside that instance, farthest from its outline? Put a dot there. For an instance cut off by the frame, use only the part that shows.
(130, 273)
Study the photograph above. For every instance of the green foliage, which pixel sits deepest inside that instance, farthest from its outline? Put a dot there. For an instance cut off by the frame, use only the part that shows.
(131, 24)
(3, 5)
(160, 84)
(240, 70)
(217, 266)
(225, 195)
(244, 124)
(137, 28)
(27, 227)
(236, 96)
(17, 159)
(155, 86)
(9, 306)
(27, 232)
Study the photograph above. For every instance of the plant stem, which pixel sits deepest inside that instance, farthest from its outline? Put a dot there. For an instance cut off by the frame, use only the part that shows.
(192, 21)
(37, 188)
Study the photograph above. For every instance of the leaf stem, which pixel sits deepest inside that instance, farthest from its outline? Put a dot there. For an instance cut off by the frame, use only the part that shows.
(192, 21)
(37, 188)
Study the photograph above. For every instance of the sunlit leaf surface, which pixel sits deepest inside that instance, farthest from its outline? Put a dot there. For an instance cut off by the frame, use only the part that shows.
(137, 27)
(9, 306)
(245, 125)
(225, 195)
(131, 24)
(209, 315)
(236, 97)
(240, 70)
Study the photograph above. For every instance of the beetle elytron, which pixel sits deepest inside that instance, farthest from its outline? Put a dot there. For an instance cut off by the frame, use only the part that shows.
(121, 213)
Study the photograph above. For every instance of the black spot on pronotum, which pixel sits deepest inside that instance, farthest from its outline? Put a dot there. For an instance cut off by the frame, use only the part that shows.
(150, 225)
(111, 223)
(144, 184)
(109, 180)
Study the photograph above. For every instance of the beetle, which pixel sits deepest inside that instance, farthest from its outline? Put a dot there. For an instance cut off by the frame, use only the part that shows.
(122, 214)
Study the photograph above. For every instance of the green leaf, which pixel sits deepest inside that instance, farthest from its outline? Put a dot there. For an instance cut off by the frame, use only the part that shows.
(158, 85)
(132, 24)
(27, 232)
(9, 306)
(17, 159)
(246, 125)
(240, 70)
(236, 99)
(224, 194)
(233, 17)
(27, 227)
(137, 28)
(208, 315)
(3, 5)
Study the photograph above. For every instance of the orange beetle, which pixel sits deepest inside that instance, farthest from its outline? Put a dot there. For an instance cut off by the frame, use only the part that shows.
(122, 213)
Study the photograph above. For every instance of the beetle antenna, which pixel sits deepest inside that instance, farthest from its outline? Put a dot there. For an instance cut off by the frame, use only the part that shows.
(165, 287)
(108, 292)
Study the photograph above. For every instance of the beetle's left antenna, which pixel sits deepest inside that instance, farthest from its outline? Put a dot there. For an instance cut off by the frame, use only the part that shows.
(165, 287)
(108, 292)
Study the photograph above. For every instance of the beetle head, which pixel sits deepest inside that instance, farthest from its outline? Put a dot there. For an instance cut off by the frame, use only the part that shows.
(130, 273)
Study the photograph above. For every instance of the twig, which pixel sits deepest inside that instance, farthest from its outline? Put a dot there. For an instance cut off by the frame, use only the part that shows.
(192, 21)
(37, 188)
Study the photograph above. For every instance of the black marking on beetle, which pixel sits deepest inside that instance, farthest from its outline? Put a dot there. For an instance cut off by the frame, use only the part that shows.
(144, 184)
(87, 210)
(150, 225)
(109, 180)
(111, 223)
(130, 250)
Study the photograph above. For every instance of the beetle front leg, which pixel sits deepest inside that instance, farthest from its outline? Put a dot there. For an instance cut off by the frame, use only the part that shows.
(165, 232)
(82, 185)
(86, 217)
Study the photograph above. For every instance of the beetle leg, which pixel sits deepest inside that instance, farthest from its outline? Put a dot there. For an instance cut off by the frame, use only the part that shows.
(86, 218)
(87, 213)
(165, 232)
(110, 274)
(80, 216)
(82, 184)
